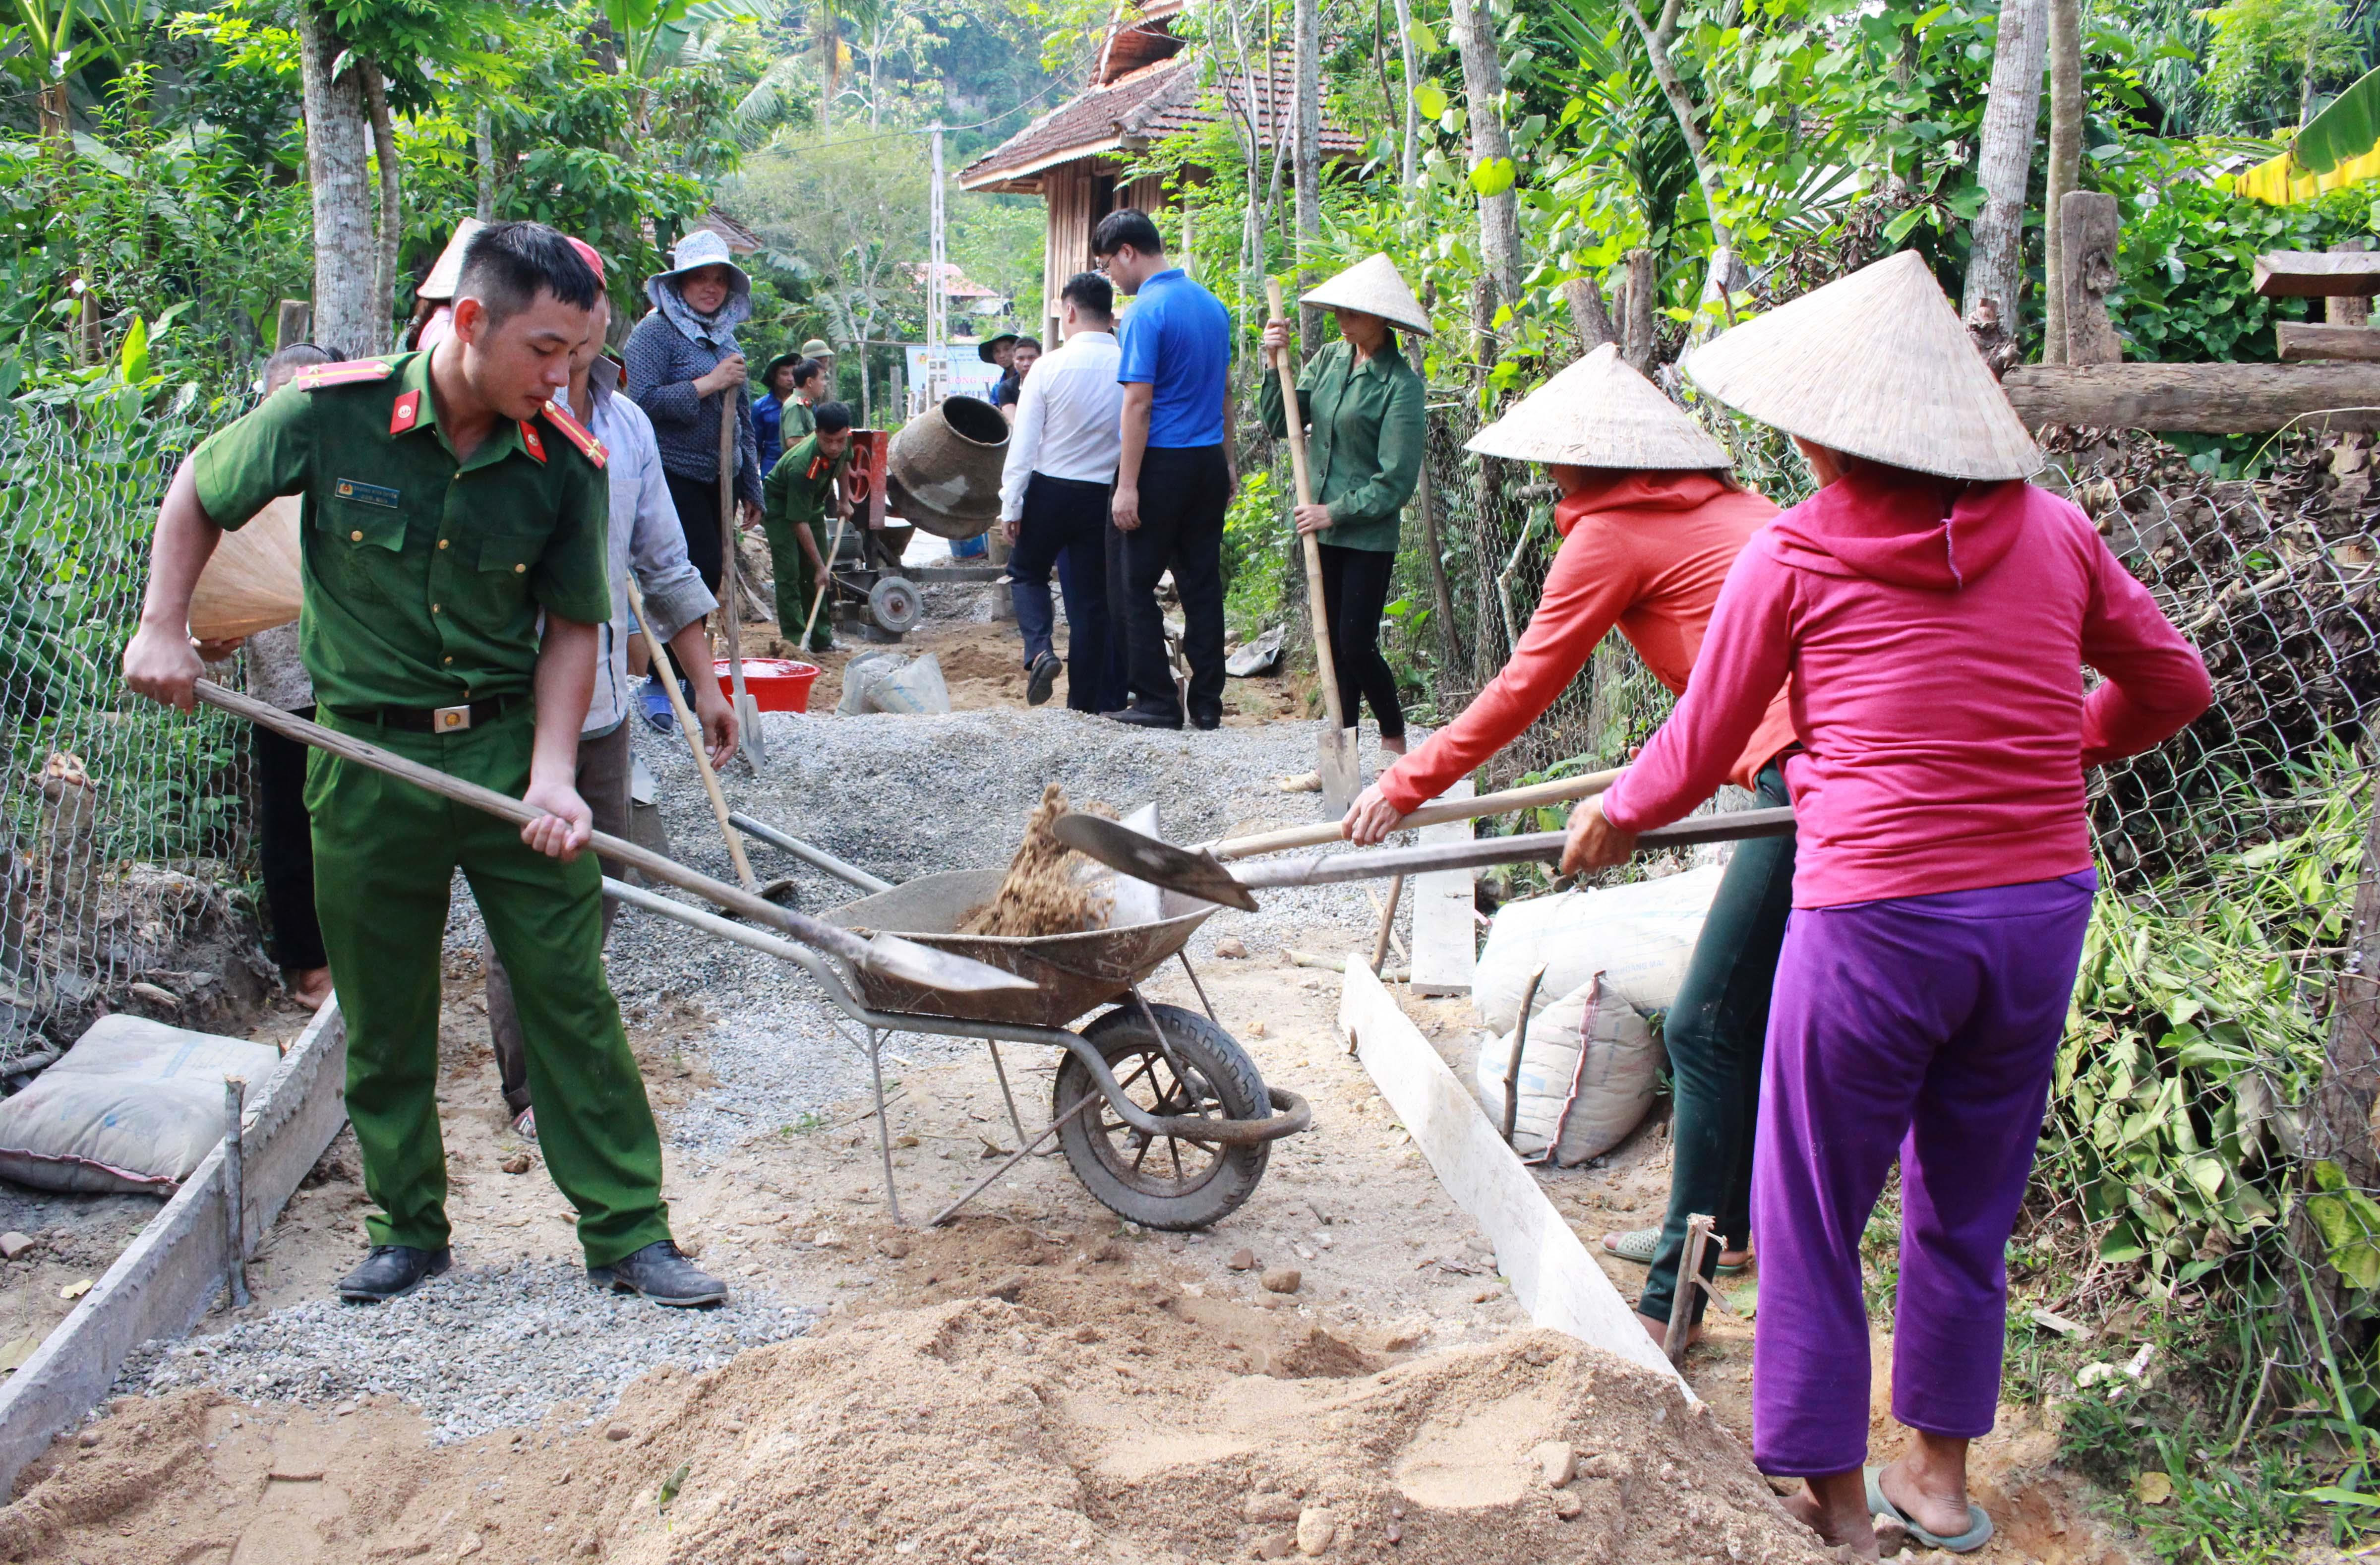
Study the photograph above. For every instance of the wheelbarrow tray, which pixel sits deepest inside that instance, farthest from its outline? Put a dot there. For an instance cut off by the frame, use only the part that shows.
(1074, 973)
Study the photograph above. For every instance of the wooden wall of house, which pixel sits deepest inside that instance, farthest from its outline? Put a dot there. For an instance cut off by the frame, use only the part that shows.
(1076, 195)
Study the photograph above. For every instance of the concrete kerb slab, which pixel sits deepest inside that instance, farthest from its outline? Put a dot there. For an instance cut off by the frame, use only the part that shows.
(168, 1277)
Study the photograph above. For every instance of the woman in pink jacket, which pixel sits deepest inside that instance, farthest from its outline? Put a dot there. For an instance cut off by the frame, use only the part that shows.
(1933, 614)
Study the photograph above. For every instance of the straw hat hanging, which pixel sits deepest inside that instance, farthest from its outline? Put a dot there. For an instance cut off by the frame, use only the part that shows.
(1876, 364)
(1600, 413)
(1374, 287)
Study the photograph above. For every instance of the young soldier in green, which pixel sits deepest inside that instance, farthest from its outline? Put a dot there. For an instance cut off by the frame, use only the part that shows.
(794, 501)
(447, 508)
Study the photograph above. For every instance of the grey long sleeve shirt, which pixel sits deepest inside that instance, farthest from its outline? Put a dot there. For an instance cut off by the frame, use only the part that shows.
(663, 365)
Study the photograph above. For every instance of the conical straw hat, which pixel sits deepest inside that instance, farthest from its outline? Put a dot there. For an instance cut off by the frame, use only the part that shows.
(1600, 413)
(1877, 365)
(1374, 287)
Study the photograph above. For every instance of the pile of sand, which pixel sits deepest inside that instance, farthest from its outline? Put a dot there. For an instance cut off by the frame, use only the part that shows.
(1046, 891)
(976, 1431)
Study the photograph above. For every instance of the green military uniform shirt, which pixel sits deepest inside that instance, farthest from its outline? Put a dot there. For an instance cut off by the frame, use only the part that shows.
(423, 575)
(1364, 447)
(791, 495)
(794, 419)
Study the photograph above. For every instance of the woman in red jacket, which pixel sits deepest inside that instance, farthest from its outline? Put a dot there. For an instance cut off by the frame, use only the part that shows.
(1933, 614)
(1650, 523)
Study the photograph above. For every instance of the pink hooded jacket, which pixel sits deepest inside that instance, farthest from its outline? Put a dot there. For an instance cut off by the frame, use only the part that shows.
(1935, 635)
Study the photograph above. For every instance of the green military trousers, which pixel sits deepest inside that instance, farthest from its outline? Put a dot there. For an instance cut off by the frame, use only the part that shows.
(385, 854)
(798, 585)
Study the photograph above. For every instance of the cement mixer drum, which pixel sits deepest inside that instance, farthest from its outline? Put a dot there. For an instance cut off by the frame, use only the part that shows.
(943, 469)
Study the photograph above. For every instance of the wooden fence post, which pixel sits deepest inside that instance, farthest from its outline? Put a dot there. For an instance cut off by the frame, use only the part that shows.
(1588, 317)
(296, 319)
(1636, 317)
(2089, 232)
(2347, 310)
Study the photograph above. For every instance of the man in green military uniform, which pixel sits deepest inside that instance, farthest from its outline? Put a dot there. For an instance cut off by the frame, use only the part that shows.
(794, 501)
(445, 509)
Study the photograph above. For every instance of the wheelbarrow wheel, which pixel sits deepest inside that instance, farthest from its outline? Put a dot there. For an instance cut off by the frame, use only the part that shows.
(1165, 1181)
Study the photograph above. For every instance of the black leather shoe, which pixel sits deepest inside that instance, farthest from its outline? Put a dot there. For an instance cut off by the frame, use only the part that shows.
(392, 1271)
(1207, 722)
(1139, 718)
(663, 1275)
(1044, 678)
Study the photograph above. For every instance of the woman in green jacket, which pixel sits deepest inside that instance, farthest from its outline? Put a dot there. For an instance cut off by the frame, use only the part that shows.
(1363, 405)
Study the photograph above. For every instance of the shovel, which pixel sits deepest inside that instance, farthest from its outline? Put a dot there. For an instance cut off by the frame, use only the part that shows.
(1341, 777)
(1562, 789)
(826, 580)
(749, 740)
(1196, 873)
(886, 954)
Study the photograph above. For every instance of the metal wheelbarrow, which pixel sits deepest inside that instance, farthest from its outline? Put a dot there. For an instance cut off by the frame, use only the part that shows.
(1162, 1116)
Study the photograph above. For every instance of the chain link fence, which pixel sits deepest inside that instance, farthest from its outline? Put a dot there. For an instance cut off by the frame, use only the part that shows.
(125, 824)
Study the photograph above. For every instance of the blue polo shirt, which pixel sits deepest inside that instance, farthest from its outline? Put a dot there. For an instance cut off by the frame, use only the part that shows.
(1177, 338)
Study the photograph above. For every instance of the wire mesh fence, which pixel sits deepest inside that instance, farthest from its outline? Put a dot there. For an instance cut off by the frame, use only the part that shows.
(124, 824)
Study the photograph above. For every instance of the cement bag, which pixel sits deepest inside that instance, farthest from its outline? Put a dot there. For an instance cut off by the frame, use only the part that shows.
(916, 690)
(252, 581)
(860, 674)
(134, 1106)
(1577, 1098)
(1638, 936)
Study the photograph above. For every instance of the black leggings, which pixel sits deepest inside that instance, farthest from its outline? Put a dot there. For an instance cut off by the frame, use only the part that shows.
(697, 513)
(1355, 590)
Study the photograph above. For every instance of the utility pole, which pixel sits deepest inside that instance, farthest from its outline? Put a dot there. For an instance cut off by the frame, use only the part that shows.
(937, 310)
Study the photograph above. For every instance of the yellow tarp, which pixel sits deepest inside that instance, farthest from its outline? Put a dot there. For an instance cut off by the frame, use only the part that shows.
(2280, 182)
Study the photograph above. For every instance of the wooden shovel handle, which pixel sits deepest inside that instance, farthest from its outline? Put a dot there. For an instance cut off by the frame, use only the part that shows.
(693, 731)
(826, 579)
(1510, 800)
(1325, 668)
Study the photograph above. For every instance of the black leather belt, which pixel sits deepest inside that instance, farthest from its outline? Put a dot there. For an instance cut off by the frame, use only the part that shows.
(433, 720)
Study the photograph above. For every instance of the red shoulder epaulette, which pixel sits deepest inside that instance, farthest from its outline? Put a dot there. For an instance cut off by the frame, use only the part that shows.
(347, 372)
(577, 433)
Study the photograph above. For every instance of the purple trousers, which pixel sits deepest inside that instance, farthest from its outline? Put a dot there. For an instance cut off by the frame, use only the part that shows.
(1921, 1027)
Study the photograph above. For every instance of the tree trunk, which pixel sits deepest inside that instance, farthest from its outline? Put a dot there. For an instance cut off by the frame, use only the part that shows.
(392, 202)
(2065, 167)
(1483, 88)
(1658, 38)
(1588, 317)
(1306, 44)
(1636, 312)
(483, 136)
(2004, 163)
(337, 134)
(1408, 161)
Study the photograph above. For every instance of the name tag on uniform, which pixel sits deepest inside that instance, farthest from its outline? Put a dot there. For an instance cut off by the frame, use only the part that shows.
(368, 493)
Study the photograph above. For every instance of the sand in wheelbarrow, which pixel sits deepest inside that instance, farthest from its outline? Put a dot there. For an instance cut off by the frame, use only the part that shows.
(1049, 890)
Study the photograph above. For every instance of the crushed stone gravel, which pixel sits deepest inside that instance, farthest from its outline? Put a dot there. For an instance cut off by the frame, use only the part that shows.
(475, 1350)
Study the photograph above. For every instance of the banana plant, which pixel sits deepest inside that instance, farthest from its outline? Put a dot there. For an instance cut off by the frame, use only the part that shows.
(2338, 147)
(653, 34)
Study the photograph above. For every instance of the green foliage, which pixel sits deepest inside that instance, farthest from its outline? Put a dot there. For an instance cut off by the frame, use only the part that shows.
(2185, 274)
(2196, 1030)
(2350, 127)
(2269, 55)
(1259, 553)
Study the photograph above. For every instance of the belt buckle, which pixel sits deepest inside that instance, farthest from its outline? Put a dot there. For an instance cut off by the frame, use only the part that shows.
(450, 719)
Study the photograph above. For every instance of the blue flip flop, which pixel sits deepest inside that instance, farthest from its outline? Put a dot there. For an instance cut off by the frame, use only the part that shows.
(1979, 1525)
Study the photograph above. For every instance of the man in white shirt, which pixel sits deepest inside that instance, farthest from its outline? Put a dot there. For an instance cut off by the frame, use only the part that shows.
(1053, 498)
(643, 538)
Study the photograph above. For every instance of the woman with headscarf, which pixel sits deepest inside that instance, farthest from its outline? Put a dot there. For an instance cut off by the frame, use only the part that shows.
(683, 368)
(1649, 521)
(1933, 614)
(1363, 407)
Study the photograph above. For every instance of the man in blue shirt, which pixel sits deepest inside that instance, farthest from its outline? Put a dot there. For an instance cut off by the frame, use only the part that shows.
(1174, 477)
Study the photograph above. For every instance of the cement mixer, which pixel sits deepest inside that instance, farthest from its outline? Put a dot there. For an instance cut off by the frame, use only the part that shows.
(942, 473)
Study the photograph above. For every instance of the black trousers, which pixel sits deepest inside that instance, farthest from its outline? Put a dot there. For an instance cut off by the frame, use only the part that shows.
(1355, 590)
(285, 847)
(1184, 491)
(1069, 516)
(698, 512)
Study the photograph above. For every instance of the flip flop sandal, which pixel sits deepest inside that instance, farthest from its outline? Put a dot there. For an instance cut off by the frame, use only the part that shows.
(1979, 1525)
(1639, 1243)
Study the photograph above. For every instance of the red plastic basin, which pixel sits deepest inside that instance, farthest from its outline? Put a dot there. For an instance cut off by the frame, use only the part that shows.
(776, 684)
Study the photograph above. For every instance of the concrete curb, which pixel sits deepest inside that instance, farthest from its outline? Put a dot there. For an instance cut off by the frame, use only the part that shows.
(169, 1276)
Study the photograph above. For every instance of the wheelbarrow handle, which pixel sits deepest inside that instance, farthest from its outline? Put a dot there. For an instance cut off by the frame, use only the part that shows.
(1535, 848)
(881, 954)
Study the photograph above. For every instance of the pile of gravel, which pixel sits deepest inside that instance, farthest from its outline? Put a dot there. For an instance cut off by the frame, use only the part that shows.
(479, 1349)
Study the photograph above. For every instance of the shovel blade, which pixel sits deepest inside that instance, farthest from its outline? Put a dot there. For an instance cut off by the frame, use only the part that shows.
(749, 741)
(1126, 851)
(943, 970)
(1343, 776)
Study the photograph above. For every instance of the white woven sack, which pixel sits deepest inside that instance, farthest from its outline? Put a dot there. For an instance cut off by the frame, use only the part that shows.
(134, 1106)
(917, 690)
(1639, 936)
(1588, 1070)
